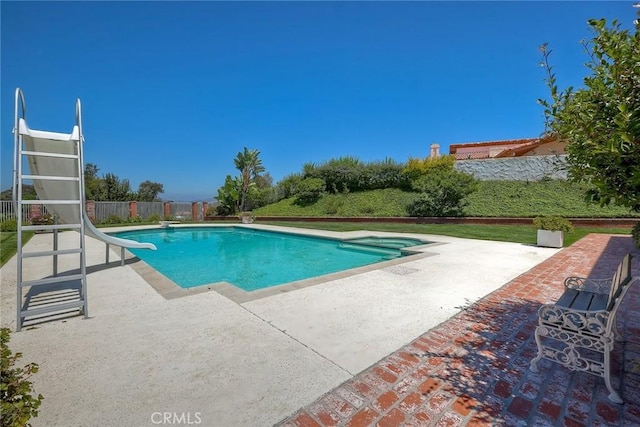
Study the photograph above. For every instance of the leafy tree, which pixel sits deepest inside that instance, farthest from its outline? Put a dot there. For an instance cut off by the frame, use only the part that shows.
(28, 193)
(262, 193)
(92, 183)
(229, 196)
(91, 171)
(111, 188)
(116, 190)
(288, 185)
(250, 166)
(19, 404)
(148, 191)
(601, 121)
(264, 181)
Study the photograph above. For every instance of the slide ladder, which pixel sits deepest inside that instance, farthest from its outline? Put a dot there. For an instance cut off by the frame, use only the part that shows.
(49, 155)
(56, 168)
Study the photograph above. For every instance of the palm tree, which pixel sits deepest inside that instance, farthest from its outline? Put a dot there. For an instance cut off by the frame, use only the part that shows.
(250, 166)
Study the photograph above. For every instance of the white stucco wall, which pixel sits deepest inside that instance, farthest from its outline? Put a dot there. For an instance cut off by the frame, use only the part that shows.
(528, 168)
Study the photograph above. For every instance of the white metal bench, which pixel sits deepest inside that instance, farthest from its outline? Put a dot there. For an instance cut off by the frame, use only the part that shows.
(579, 330)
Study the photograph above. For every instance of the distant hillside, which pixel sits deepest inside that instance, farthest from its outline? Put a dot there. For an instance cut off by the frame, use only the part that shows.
(494, 198)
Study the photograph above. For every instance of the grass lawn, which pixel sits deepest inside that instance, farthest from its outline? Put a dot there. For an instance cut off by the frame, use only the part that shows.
(506, 233)
(9, 244)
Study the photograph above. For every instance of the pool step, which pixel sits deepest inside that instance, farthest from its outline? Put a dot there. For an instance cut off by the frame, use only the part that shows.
(387, 242)
(371, 249)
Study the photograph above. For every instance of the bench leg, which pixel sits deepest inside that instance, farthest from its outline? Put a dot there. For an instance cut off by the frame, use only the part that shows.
(533, 366)
(613, 395)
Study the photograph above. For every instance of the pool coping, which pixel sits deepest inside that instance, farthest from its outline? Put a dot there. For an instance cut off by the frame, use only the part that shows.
(168, 289)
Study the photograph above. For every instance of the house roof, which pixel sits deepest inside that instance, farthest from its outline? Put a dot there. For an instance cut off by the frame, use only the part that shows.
(454, 147)
(512, 147)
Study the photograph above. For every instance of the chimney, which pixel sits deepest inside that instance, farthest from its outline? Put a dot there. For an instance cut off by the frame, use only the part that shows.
(435, 151)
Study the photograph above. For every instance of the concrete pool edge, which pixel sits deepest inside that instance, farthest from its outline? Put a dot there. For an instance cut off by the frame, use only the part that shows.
(168, 289)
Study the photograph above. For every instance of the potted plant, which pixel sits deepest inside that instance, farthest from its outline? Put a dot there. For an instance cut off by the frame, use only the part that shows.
(247, 217)
(551, 230)
(44, 219)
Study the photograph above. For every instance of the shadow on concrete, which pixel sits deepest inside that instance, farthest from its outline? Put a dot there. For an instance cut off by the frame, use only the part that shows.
(58, 293)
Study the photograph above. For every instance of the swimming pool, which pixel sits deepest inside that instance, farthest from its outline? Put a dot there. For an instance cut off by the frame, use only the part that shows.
(248, 258)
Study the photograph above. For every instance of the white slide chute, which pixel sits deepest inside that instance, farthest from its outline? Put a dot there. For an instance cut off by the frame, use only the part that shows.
(66, 171)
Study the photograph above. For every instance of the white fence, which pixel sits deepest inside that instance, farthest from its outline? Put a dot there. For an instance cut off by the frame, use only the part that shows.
(106, 210)
(7, 211)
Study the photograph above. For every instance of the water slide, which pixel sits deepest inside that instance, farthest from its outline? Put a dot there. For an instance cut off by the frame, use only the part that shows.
(63, 171)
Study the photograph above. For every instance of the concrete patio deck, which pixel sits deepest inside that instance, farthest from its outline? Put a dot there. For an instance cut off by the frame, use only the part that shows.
(330, 349)
(472, 370)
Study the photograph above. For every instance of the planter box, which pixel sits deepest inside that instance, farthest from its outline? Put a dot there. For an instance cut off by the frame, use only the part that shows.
(246, 218)
(550, 239)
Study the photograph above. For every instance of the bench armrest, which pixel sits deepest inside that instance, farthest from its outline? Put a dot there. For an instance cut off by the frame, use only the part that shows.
(579, 321)
(598, 286)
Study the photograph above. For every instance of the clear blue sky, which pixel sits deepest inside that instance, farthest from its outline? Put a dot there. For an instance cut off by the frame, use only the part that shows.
(172, 91)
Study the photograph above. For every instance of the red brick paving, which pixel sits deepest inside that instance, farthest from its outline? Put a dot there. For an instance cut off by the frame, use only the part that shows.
(472, 370)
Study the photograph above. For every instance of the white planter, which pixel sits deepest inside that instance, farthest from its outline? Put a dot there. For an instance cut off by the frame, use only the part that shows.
(550, 239)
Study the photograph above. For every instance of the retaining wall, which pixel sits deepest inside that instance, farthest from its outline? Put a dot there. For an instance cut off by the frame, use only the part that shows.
(528, 168)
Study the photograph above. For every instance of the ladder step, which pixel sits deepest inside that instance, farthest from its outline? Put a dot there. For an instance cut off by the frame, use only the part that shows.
(46, 154)
(51, 308)
(51, 177)
(50, 280)
(51, 227)
(49, 253)
(51, 202)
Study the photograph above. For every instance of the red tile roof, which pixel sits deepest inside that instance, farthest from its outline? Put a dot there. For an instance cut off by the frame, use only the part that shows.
(454, 147)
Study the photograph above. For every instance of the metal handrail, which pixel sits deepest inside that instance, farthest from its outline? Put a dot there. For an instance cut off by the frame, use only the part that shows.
(19, 102)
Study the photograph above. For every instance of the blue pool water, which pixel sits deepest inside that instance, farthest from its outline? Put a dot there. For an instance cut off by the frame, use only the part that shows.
(249, 259)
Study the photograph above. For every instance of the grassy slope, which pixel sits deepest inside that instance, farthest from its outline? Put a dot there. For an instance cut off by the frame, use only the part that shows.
(518, 198)
(493, 198)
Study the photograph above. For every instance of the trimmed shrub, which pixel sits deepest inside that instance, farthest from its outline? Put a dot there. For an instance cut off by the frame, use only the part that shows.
(309, 191)
(443, 193)
(287, 186)
(553, 223)
(18, 402)
(417, 168)
(113, 219)
(155, 217)
(349, 174)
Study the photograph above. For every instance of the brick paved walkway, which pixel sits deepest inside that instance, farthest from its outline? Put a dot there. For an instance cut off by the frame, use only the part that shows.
(473, 369)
